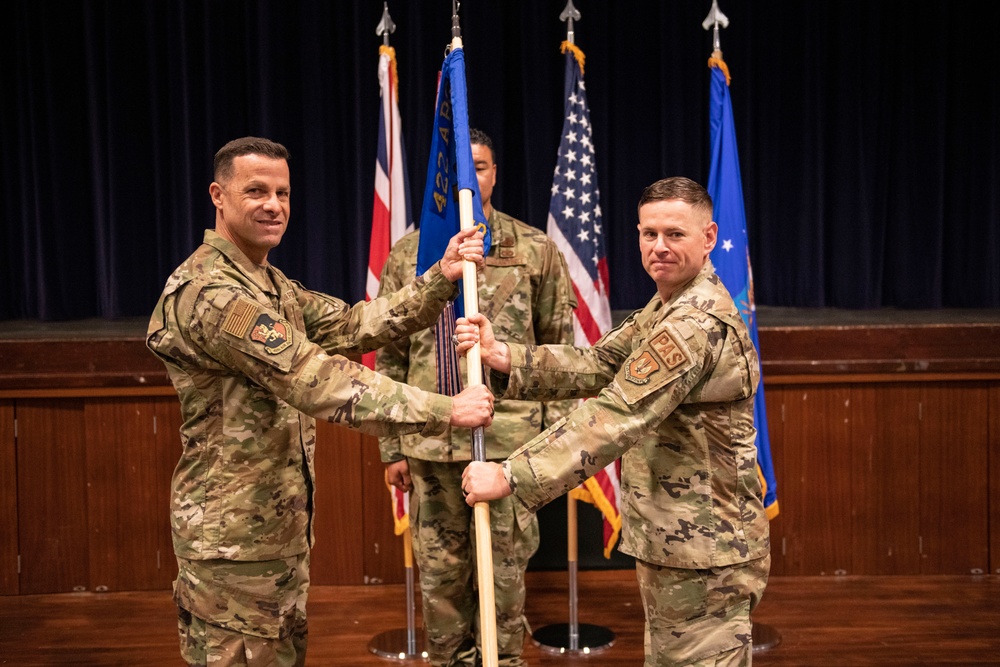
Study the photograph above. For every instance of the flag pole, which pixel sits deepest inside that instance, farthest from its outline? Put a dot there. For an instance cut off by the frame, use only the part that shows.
(397, 643)
(763, 636)
(474, 373)
(402, 643)
(572, 637)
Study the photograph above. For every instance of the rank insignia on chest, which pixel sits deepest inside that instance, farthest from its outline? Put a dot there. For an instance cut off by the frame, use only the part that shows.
(274, 335)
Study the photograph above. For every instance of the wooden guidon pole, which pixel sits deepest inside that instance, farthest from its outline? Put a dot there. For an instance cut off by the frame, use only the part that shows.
(481, 511)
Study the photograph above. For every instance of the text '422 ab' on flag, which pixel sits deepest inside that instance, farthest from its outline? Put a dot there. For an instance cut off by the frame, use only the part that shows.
(731, 255)
(575, 226)
(449, 169)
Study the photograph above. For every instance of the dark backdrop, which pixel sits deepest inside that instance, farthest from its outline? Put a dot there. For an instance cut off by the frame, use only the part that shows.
(867, 134)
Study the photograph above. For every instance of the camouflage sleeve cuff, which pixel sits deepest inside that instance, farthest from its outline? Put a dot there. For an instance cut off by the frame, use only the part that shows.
(514, 381)
(439, 414)
(438, 284)
(497, 382)
(521, 478)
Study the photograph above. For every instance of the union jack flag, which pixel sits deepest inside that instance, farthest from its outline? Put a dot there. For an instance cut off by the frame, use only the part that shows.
(391, 211)
(575, 225)
(390, 216)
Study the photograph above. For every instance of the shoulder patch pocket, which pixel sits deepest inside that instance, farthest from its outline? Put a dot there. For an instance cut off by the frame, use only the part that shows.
(259, 332)
(653, 365)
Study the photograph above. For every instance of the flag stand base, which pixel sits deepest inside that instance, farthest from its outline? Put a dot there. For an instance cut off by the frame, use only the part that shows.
(397, 645)
(556, 638)
(765, 637)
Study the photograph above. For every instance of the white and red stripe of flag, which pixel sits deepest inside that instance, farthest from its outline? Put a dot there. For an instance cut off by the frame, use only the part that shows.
(390, 215)
(575, 225)
(391, 211)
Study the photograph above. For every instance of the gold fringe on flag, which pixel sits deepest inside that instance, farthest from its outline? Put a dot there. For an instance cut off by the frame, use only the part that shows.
(391, 52)
(577, 53)
(716, 61)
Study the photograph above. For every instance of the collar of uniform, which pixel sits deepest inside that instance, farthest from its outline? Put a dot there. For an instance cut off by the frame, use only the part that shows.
(257, 273)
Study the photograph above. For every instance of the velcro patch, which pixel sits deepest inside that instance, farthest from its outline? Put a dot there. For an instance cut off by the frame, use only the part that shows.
(240, 315)
(664, 354)
(274, 335)
(670, 352)
(640, 368)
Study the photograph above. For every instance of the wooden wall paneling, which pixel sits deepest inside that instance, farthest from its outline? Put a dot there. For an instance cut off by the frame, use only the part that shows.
(816, 497)
(953, 479)
(52, 495)
(8, 500)
(885, 432)
(776, 397)
(994, 478)
(337, 556)
(383, 548)
(128, 475)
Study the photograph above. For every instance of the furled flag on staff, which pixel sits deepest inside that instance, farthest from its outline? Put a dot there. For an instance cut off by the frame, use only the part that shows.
(400, 503)
(731, 255)
(449, 169)
(575, 227)
(391, 212)
(390, 215)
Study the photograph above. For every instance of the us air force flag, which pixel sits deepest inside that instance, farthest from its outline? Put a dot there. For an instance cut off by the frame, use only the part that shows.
(731, 256)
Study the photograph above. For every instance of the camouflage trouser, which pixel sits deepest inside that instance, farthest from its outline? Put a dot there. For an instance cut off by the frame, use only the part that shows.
(242, 614)
(444, 547)
(700, 617)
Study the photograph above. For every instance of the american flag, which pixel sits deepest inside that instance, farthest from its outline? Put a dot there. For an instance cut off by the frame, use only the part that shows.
(390, 216)
(391, 212)
(576, 227)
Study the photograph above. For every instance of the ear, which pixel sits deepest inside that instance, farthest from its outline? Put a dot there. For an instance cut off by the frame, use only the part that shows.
(711, 235)
(215, 192)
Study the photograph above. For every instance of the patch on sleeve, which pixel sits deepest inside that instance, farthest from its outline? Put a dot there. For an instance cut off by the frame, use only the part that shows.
(239, 317)
(664, 354)
(274, 335)
(670, 352)
(641, 368)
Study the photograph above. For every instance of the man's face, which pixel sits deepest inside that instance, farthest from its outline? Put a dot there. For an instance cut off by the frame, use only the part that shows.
(252, 207)
(674, 241)
(486, 173)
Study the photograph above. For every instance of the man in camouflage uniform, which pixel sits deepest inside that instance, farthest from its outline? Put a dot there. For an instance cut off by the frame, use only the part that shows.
(526, 291)
(675, 386)
(255, 357)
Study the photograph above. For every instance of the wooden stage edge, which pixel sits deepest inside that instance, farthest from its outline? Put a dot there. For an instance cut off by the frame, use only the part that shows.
(823, 621)
(797, 346)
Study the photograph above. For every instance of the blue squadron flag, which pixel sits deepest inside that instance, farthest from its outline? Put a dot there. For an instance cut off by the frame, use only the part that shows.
(449, 169)
(731, 255)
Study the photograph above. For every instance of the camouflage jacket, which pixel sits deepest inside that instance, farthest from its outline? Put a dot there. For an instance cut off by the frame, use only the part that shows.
(254, 358)
(675, 386)
(526, 293)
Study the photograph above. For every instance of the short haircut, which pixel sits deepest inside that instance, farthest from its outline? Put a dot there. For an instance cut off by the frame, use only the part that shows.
(477, 136)
(679, 188)
(245, 146)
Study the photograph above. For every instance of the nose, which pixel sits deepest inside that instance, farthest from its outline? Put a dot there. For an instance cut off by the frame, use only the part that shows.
(272, 203)
(661, 245)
